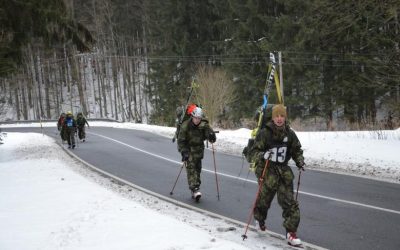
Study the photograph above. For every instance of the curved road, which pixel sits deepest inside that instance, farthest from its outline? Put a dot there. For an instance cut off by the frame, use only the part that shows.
(337, 211)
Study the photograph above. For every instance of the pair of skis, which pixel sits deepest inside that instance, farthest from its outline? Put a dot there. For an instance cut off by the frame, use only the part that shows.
(180, 121)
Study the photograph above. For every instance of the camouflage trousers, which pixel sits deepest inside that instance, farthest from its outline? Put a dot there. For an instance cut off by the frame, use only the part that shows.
(278, 180)
(70, 133)
(63, 134)
(193, 171)
(81, 133)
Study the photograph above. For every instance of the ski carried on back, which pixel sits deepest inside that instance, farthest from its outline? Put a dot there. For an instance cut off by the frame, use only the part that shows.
(264, 112)
(183, 111)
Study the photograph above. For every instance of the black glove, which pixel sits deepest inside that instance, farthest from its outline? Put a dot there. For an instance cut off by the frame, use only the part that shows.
(211, 137)
(185, 155)
(300, 165)
(245, 151)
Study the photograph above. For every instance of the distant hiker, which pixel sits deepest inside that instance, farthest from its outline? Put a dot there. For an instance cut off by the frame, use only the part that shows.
(278, 143)
(61, 127)
(81, 122)
(70, 126)
(193, 132)
(1, 137)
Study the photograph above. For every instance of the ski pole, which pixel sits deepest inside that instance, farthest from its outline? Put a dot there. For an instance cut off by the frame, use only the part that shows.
(261, 182)
(180, 171)
(86, 133)
(241, 169)
(298, 184)
(247, 178)
(41, 125)
(77, 139)
(215, 169)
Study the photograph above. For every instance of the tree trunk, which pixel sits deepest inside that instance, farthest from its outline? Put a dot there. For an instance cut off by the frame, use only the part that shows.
(114, 72)
(39, 88)
(47, 86)
(103, 87)
(17, 107)
(146, 81)
(68, 78)
(78, 80)
(24, 103)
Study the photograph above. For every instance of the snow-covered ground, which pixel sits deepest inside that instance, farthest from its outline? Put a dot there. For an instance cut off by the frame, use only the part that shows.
(51, 201)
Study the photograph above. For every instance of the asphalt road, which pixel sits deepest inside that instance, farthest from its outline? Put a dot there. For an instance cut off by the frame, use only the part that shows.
(337, 211)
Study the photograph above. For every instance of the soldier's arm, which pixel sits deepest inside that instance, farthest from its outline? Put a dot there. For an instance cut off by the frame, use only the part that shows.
(183, 143)
(210, 133)
(259, 146)
(297, 151)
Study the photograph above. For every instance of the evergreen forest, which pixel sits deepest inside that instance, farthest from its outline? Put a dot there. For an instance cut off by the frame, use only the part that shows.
(137, 60)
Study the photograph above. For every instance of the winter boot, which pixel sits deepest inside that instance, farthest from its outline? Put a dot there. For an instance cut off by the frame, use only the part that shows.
(73, 146)
(292, 239)
(261, 224)
(196, 194)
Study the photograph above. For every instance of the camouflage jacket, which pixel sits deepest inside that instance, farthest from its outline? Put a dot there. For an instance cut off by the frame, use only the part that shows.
(283, 145)
(60, 122)
(191, 137)
(81, 121)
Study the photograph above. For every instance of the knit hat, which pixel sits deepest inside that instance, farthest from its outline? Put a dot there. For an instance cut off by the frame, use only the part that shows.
(278, 109)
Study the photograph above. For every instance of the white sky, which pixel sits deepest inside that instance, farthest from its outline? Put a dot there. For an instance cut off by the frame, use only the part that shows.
(50, 201)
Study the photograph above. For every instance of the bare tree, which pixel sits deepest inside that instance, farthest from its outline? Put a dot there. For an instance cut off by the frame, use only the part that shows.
(216, 91)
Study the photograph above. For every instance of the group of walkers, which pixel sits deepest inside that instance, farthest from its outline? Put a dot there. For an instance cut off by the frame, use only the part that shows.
(69, 127)
(274, 145)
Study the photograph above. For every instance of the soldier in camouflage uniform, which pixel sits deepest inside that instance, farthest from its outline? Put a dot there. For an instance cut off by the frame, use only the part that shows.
(81, 122)
(191, 138)
(278, 143)
(70, 127)
(61, 127)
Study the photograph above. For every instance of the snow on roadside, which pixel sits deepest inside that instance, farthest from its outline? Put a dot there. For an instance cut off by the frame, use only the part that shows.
(51, 201)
